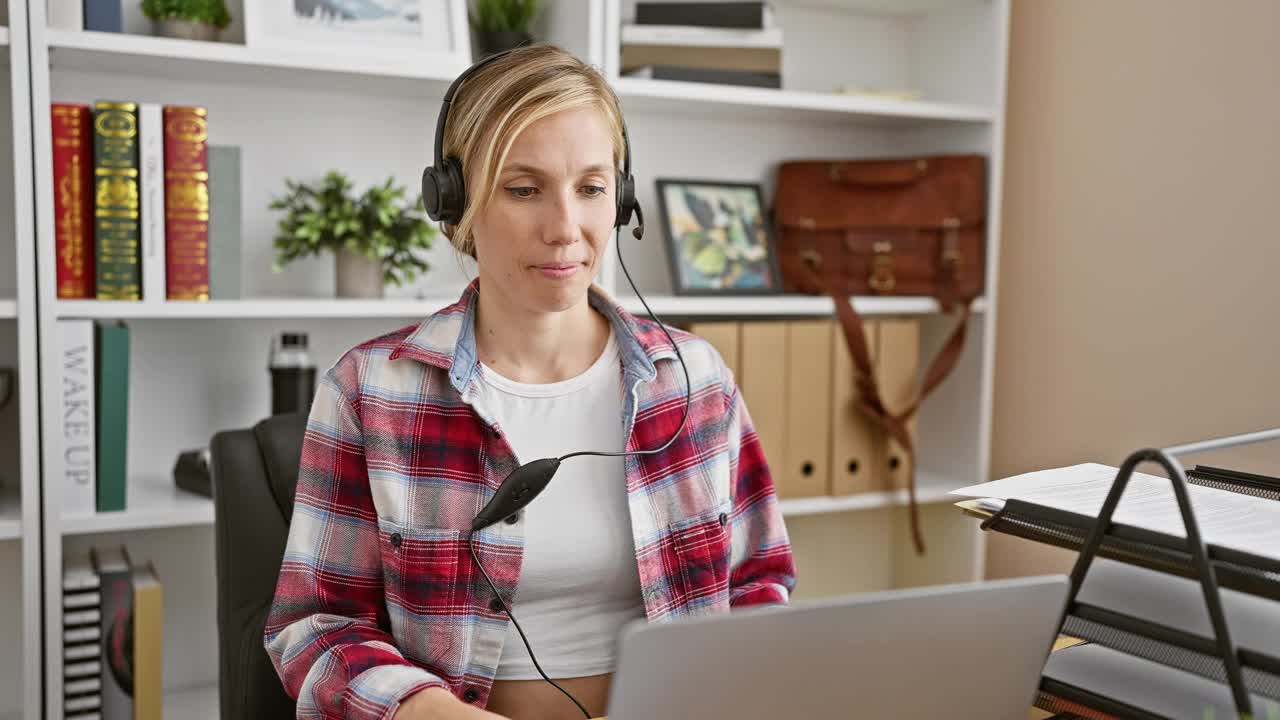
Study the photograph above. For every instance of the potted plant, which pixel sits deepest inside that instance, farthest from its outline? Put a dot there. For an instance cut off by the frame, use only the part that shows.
(502, 24)
(375, 238)
(188, 19)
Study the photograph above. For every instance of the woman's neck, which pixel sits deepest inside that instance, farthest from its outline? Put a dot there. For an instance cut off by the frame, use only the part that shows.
(538, 347)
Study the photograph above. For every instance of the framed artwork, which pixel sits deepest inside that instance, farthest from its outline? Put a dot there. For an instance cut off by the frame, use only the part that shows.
(407, 31)
(719, 240)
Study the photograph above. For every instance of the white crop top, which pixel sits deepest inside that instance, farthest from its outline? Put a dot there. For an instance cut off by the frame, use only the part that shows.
(578, 582)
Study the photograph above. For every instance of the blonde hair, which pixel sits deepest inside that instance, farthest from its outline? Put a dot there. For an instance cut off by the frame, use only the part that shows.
(503, 98)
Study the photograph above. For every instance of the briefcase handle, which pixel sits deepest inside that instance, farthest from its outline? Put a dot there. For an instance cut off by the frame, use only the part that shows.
(871, 400)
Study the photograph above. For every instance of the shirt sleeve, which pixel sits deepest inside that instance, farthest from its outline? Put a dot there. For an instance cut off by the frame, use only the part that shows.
(326, 632)
(762, 567)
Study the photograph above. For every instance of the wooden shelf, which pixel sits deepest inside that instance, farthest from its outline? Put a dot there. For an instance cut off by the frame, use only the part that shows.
(663, 305)
(149, 503)
(8, 309)
(669, 96)
(10, 515)
(192, 704)
(779, 305)
(236, 63)
(862, 501)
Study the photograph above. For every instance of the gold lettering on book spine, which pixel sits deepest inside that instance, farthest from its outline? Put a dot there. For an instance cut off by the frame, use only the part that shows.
(117, 200)
(187, 200)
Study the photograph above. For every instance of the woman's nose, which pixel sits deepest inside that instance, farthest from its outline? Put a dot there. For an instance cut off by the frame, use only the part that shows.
(562, 226)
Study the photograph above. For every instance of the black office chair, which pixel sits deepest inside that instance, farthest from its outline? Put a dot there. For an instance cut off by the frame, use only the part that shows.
(254, 476)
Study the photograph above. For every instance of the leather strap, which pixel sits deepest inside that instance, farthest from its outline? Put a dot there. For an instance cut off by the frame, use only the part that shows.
(871, 400)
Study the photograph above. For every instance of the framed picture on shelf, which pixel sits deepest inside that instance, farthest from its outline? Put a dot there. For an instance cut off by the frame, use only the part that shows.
(719, 240)
(407, 31)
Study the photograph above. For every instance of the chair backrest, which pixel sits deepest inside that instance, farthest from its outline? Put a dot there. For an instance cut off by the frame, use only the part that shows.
(254, 475)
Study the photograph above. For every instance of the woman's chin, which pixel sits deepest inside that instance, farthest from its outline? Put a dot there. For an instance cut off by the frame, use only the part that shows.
(558, 294)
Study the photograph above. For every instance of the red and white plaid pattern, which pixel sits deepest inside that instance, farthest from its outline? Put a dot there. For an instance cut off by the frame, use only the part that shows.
(378, 595)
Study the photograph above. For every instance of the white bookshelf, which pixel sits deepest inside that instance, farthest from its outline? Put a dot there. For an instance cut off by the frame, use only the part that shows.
(10, 515)
(304, 308)
(295, 114)
(20, 541)
(151, 503)
(225, 62)
(667, 96)
(199, 703)
(798, 507)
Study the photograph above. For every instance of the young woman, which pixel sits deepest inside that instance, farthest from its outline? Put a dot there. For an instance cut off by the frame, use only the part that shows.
(382, 610)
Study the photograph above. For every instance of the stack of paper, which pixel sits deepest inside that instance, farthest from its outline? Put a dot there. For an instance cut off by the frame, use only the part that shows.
(1227, 519)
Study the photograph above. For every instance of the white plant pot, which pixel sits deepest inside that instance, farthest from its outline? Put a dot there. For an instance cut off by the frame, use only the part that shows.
(187, 30)
(358, 276)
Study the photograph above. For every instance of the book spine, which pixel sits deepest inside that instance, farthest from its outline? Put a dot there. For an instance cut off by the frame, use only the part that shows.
(74, 460)
(72, 202)
(104, 15)
(148, 645)
(116, 231)
(113, 415)
(747, 15)
(82, 651)
(117, 609)
(151, 154)
(681, 36)
(224, 222)
(186, 176)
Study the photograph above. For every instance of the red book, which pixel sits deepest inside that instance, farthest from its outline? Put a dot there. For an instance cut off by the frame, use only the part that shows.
(73, 221)
(186, 202)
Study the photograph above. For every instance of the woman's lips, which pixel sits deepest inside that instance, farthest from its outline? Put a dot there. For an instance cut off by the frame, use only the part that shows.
(559, 271)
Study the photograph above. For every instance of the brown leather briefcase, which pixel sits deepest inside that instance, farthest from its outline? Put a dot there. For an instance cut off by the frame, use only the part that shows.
(902, 226)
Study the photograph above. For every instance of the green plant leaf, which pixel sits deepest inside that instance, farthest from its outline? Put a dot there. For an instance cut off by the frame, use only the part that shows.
(209, 12)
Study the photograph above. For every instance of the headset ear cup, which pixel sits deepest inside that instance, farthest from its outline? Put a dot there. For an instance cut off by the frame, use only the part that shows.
(626, 200)
(455, 192)
(430, 193)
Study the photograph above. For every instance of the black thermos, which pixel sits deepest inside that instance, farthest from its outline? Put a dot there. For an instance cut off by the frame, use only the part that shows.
(293, 375)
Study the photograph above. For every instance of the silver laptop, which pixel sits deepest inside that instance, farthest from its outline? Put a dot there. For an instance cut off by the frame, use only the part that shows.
(968, 650)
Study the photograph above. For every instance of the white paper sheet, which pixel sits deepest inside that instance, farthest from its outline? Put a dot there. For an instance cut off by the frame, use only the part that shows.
(1227, 519)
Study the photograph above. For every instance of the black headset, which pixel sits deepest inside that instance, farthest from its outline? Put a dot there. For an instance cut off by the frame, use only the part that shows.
(444, 197)
(444, 191)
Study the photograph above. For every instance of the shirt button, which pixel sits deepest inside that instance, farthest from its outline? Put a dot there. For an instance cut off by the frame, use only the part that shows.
(495, 605)
(395, 539)
(496, 432)
(513, 518)
(724, 519)
(470, 695)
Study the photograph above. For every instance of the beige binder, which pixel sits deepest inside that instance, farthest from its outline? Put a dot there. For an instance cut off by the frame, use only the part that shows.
(808, 425)
(855, 438)
(897, 363)
(762, 382)
(725, 338)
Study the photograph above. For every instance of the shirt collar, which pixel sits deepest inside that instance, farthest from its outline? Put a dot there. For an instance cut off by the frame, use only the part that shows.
(446, 339)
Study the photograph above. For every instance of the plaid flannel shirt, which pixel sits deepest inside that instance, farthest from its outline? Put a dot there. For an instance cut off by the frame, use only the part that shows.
(378, 596)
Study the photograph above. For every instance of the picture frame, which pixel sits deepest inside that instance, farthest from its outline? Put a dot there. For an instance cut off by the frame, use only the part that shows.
(735, 215)
(411, 35)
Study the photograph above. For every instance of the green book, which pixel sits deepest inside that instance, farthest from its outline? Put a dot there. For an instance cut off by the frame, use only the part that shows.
(112, 350)
(117, 230)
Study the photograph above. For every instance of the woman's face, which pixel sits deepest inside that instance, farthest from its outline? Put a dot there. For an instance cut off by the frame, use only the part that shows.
(540, 238)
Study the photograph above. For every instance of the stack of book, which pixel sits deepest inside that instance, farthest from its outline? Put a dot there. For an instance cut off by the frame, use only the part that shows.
(92, 415)
(730, 43)
(132, 203)
(113, 620)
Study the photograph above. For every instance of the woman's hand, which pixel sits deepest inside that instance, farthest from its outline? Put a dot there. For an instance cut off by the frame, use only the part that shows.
(437, 703)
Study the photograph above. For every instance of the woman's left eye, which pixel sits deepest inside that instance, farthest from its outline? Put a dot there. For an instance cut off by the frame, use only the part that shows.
(594, 190)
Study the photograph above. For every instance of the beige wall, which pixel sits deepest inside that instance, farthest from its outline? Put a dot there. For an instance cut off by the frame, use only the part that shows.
(1142, 195)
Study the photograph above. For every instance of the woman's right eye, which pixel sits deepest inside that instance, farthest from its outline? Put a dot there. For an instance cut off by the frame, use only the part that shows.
(522, 192)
